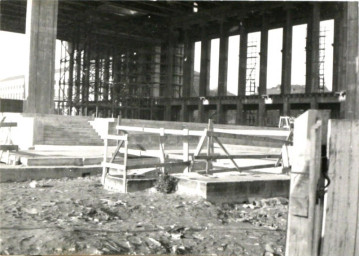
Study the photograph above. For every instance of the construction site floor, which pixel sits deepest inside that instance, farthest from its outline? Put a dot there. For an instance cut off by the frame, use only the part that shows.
(77, 216)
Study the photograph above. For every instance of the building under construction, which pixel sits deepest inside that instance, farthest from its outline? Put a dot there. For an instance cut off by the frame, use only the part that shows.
(136, 58)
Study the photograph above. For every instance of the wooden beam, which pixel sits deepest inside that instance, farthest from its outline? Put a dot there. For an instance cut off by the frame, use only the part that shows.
(341, 235)
(9, 147)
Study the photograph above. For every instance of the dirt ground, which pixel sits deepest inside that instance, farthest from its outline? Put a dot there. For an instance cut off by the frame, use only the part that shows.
(77, 216)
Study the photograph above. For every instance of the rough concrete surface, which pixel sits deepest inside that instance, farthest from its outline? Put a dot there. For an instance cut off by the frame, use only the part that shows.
(77, 216)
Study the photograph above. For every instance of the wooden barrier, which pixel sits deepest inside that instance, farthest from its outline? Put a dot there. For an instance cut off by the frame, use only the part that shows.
(341, 231)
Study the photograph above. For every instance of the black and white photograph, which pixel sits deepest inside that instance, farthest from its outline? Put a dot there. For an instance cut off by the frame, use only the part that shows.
(165, 127)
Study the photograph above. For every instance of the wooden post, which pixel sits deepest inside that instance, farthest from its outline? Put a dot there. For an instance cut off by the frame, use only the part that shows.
(341, 235)
(104, 168)
(303, 208)
(210, 148)
(186, 148)
(125, 166)
(162, 149)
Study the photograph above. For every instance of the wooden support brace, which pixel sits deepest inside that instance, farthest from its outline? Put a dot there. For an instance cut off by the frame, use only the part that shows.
(227, 153)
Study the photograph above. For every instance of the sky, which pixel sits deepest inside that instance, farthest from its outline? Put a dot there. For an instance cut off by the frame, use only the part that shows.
(13, 54)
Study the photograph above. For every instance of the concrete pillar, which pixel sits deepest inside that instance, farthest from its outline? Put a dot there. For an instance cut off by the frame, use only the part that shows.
(263, 57)
(287, 54)
(286, 106)
(201, 113)
(261, 113)
(312, 63)
(239, 113)
(205, 63)
(351, 108)
(85, 81)
(41, 29)
(71, 77)
(188, 66)
(338, 46)
(106, 77)
(78, 75)
(184, 112)
(97, 77)
(220, 117)
(169, 64)
(242, 61)
(223, 62)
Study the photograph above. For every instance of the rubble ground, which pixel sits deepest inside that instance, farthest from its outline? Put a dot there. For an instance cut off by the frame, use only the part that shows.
(77, 216)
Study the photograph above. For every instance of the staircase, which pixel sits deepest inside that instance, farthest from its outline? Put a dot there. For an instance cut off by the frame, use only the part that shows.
(69, 130)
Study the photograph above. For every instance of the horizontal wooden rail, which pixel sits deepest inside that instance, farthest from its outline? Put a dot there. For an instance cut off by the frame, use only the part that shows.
(158, 131)
(213, 157)
(270, 133)
(113, 165)
(9, 124)
(248, 137)
(116, 137)
(9, 147)
(158, 165)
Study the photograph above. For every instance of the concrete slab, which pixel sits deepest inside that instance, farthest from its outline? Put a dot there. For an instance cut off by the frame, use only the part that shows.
(233, 186)
(21, 173)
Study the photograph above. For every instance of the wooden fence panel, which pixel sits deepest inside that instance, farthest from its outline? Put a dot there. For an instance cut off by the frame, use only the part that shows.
(341, 235)
(303, 212)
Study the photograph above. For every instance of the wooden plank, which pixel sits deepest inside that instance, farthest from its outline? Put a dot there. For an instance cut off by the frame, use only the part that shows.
(116, 137)
(213, 157)
(9, 147)
(301, 209)
(227, 153)
(248, 137)
(114, 166)
(158, 165)
(104, 168)
(200, 143)
(315, 203)
(342, 208)
(125, 167)
(264, 133)
(210, 149)
(9, 124)
(185, 148)
(117, 150)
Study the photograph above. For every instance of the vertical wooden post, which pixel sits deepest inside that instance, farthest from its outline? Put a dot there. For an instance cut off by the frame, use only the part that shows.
(303, 208)
(162, 155)
(104, 168)
(125, 165)
(210, 148)
(186, 148)
(341, 232)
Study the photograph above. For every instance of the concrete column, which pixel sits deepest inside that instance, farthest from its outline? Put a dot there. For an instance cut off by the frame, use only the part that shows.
(71, 77)
(97, 77)
(223, 62)
(184, 112)
(41, 29)
(312, 63)
(220, 118)
(188, 66)
(287, 54)
(201, 114)
(286, 107)
(263, 57)
(85, 81)
(242, 62)
(351, 108)
(78, 75)
(205, 63)
(239, 113)
(106, 77)
(338, 45)
(261, 113)
(169, 63)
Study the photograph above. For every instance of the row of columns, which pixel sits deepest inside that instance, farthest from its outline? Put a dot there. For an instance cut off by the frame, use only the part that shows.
(41, 25)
